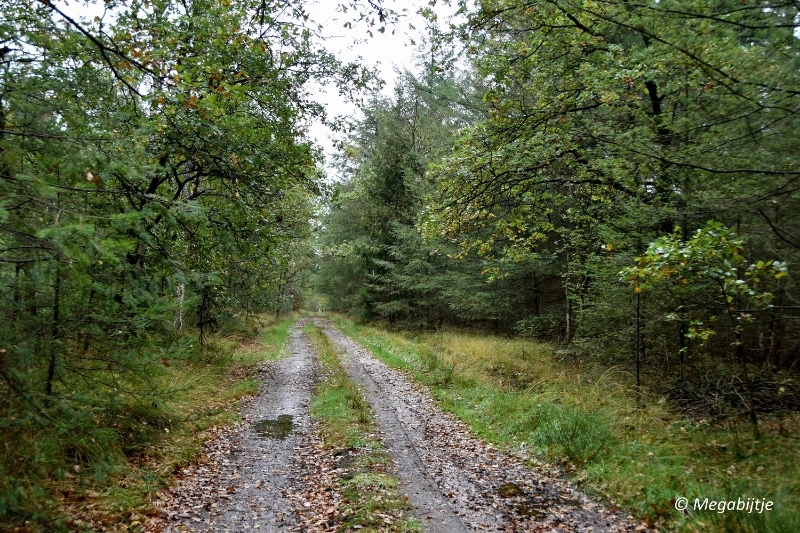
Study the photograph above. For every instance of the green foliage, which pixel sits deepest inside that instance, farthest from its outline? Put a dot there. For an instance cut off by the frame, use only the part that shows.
(375, 262)
(113, 449)
(578, 435)
(631, 450)
(712, 254)
(371, 214)
(709, 266)
(613, 126)
(155, 180)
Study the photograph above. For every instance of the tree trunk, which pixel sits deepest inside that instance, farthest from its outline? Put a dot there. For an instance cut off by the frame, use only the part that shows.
(637, 342)
(55, 329)
(181, 296)
(750, 393)
(568, 318)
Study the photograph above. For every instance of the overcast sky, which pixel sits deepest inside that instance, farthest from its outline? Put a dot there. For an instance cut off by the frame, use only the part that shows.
(387, 52)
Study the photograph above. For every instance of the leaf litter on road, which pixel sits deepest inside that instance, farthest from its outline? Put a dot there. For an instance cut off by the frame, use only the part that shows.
(299, 488)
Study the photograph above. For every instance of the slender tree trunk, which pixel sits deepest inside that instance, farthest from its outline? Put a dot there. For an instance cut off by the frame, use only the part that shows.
(682, 348)
(55, 329)
(775, 331)
(180, 291)
(17, 296)
(85, 335)
(751, 407)
(202, 312)
(637, 343)
(638, 326)
(740, 355)
(568, 327)
(681, 343)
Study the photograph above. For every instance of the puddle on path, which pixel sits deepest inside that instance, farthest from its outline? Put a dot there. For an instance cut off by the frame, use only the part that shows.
(538, 509)
(533, 506)
(510, 490)
(279, 428)
(530, 509)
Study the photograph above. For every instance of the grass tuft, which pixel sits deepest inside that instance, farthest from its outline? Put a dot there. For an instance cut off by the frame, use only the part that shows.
(573, 433)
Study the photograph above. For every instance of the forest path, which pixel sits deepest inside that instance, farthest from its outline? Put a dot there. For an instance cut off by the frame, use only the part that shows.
(253, 474)
(270, 473)
(457, 482)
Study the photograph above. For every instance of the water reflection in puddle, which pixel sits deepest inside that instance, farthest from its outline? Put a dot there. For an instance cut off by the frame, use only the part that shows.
(509, 490)
(279, 428)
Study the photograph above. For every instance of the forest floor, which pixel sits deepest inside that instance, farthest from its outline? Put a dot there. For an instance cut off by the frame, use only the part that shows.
(271, 472)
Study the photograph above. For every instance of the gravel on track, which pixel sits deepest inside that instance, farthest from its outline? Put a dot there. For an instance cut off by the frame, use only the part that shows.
(270, 473)
(254, 476)
(458, 482)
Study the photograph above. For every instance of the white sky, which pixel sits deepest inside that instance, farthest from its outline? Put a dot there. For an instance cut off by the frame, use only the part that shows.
(386, 52)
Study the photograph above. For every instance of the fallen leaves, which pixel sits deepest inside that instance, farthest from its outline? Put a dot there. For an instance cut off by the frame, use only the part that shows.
(298, 485)
(487, 489)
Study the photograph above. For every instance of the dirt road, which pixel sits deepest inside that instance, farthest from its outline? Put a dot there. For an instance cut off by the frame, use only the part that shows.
(456, 483)
(252, 473)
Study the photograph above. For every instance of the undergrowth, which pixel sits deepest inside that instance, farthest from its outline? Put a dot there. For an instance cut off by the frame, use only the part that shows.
(96, 457)
(347, 426)
(630, 449)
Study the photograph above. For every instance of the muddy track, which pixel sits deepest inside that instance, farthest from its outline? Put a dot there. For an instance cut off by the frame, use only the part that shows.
(457, 482)
(270, 473)
(252, 471)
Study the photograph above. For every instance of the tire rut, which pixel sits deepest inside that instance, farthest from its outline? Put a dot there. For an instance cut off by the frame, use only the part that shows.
(433, 510)
(252, 471)
(457, 482)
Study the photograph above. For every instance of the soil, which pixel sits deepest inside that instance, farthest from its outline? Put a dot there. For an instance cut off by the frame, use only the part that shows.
(270, 473)
(250, 474)
(456, 481)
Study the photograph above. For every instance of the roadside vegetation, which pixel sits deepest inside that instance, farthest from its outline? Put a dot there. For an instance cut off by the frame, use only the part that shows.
(613, 181)
(104, 465)
(156, 191)
(615, 441)
(618, 179)
(348, 427)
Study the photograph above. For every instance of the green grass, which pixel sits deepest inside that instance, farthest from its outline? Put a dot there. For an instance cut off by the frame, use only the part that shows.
(347, 427)
(637, 454)
(104, 458)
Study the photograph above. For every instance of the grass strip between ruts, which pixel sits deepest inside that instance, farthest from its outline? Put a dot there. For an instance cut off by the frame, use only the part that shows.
(347, 426)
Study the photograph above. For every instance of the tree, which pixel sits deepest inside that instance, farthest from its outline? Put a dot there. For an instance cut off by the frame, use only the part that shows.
(370, 227)
(154, 175)
(709, 270)
(599, 111)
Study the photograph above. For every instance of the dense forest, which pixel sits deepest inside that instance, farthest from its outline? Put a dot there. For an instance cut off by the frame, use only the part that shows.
(619, 178)
(155, 183)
